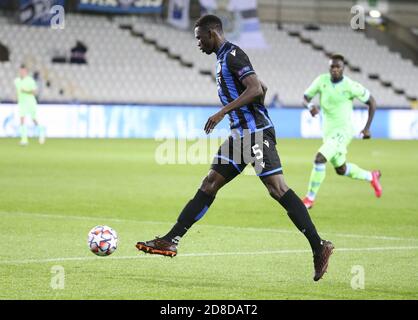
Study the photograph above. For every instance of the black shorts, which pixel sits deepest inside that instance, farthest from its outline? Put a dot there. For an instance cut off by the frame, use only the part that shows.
(257, 148)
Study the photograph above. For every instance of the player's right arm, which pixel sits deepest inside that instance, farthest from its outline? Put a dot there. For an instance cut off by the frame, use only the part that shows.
(309, 94)
(253, 91)
(240, 67)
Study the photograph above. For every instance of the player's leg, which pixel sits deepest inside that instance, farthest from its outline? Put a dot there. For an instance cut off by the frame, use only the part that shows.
(334, 143)
(353, 171)
(196, 208)
(317, 176)
(23, 130)
(223, 170)
(272, 177)
(40, 130)
(226, 165)
(297, 212)
(191, 213)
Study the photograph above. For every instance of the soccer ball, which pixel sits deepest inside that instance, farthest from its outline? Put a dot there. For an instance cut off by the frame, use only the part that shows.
(102, 240)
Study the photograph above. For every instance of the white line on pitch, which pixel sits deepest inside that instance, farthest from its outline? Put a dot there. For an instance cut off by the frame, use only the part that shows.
(101, 220)
(208, 254)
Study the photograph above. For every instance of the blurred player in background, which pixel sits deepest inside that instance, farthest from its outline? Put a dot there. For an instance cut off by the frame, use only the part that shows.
(242, 95)
(27, 104)
(336, 100)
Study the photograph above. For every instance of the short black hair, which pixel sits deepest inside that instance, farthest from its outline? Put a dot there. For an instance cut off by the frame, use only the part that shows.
(209, 21)
(337, 56)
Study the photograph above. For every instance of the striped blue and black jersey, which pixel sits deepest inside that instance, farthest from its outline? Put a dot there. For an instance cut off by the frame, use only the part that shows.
(232, 67)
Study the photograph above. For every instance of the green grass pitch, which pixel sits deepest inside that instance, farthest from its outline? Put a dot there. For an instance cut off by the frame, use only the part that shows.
(244, 248)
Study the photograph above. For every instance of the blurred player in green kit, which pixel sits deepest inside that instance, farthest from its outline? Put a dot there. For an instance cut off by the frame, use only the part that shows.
(336, 100)
(27, 104)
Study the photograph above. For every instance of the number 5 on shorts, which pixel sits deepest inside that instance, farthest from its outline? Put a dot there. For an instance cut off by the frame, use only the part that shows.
(257, 152)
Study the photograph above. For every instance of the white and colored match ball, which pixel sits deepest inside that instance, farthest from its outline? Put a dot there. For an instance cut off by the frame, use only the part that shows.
(102, 240)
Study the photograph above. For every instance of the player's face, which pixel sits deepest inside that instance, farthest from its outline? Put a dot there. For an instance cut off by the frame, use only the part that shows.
(336, 68)
(205, 41)
(23, 72)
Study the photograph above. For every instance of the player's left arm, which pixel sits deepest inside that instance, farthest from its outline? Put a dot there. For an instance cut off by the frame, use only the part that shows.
(264, 87)
(362, 94)
(371, 103)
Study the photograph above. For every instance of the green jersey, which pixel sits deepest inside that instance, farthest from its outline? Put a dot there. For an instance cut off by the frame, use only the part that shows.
(26, 84)
(336, 101)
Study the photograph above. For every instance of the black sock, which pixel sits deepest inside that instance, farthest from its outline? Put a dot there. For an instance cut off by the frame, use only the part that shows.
(299, 215)
(192, 212)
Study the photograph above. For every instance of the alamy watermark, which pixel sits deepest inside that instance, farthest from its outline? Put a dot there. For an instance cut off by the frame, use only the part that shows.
(58, 17)
(57, 278)
(358, 21)
(237, 149)
(358, 279)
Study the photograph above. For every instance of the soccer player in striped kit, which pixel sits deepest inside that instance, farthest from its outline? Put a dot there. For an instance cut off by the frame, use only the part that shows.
(252, 140)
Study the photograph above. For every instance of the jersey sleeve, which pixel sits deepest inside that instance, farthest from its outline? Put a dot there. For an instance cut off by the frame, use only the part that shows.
(313, 89)
(359, 92)
(239, 64)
